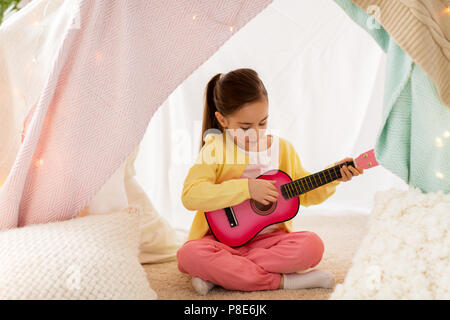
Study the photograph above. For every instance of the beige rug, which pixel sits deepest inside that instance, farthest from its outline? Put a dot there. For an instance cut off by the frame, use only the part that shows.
(341, 235)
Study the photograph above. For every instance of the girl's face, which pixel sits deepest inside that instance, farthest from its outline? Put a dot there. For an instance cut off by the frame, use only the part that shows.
(248, 124)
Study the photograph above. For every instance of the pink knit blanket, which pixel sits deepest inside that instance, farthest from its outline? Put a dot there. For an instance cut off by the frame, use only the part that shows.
(114, 69)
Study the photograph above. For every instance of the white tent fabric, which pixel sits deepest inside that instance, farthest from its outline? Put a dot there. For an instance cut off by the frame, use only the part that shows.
(118, 62)
(323, 73)
(325, 80)
(25, 66)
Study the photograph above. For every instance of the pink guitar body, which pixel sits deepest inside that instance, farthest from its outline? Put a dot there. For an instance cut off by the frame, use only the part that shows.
(237, 225)
(250, 216)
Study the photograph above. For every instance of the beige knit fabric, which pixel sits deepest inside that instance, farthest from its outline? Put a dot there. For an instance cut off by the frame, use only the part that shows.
(422, 29)
(95, 257)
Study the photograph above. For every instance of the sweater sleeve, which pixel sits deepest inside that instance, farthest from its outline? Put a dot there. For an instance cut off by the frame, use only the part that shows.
(201, 192)
(317, 195)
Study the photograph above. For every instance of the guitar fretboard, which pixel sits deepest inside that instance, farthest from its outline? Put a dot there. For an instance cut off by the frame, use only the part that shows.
(313, 181)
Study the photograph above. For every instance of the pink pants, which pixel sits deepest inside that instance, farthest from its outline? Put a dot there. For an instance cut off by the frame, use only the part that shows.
(258, 265)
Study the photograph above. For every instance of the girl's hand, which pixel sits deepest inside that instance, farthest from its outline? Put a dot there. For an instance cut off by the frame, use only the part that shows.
(348, 172)
(262, 191)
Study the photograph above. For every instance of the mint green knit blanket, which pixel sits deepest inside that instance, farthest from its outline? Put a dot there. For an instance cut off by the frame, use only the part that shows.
(414, 138)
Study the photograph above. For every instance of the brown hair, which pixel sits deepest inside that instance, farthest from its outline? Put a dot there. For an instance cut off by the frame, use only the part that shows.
(227, 93)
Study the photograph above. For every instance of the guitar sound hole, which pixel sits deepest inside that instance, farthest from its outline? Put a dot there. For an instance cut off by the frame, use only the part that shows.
(263, 209)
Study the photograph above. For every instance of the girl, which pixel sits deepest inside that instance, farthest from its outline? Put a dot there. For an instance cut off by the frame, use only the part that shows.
(224, 175)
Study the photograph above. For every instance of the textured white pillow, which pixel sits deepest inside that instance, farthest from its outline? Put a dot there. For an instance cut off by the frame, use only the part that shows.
(112, 196)
(94, 257)
(406, 254)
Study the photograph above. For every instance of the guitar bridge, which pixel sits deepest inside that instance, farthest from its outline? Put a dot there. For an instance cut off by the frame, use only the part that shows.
(231, 217)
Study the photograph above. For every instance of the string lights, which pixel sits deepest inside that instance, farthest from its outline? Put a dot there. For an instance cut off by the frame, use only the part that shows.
(98, 56)
(39, 162)
(439, 175)
(439, 143)
(36, 23)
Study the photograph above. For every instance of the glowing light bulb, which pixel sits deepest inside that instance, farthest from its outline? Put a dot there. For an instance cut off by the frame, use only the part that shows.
(39, 162)
(438, 142)
(439, 175)
(16, 92)
(98, 57)
(447, 134)
(447, 10)
(34, 60)
(231, 28)
(194, 17)
(36, 23)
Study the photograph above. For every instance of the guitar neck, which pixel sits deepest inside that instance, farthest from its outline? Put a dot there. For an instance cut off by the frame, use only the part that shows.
(313, 181)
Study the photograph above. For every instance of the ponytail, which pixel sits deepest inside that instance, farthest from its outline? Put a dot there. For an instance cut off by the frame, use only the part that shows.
(210, 108)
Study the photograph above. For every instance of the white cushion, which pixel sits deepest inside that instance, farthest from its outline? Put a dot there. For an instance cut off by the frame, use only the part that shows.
(112, 196)
(406, 254)
(94, 257)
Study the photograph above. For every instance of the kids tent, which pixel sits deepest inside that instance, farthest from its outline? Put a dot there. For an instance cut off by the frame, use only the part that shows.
(80, 81)
(112, 63)
(80, 87)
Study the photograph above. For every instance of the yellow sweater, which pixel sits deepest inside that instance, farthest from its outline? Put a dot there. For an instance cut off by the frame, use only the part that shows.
(214, 182)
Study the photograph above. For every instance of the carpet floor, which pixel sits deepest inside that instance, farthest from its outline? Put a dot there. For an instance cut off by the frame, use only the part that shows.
(341, 235)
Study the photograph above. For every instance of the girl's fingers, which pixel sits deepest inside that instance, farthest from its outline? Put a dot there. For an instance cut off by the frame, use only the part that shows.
(344, 176)
(357, 171)
(349, 174)
(346, 173)
(354, 171)
(270, 198)
(272, 185)
(273, 193)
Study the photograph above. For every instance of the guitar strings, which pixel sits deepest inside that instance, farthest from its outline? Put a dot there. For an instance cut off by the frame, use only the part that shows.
(294, 188)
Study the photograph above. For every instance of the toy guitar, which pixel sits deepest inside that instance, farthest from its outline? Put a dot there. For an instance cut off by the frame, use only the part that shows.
(237, 225)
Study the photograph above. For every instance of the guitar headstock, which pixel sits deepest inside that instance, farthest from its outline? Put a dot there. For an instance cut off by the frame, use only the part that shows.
(366, 160)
